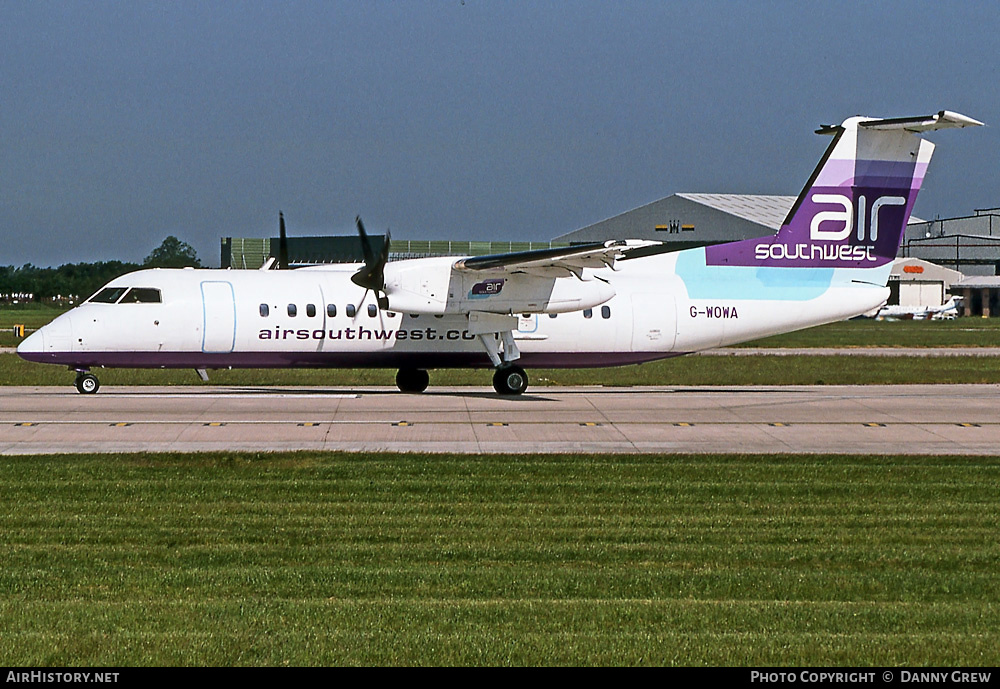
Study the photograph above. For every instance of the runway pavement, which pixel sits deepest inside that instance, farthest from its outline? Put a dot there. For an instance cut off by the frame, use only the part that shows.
(913, 419)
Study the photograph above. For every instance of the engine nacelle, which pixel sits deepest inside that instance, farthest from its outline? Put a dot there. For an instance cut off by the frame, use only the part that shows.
(431, 286)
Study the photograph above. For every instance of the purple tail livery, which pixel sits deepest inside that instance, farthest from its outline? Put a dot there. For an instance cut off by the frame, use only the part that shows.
(853, 210)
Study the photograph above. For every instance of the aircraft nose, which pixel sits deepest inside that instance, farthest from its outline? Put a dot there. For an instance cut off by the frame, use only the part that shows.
(32, 344)
(50, 342)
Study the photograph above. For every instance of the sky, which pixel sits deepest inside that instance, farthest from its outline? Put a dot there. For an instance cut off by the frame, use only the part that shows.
(124, 122)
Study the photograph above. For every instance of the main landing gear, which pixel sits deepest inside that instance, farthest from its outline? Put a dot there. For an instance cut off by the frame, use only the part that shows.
(87, 383)
(510, 380)
(496, 333)
(507, 380)
(412, 380)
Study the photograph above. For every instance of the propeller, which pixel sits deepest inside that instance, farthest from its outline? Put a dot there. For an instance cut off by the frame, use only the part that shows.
(282, 262)
(372, 275)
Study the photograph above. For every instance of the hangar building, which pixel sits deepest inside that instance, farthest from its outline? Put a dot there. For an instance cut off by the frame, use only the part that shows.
(970, 244)
(980, 295)
(688, 220)
(252, 252)
(681, 220)
(913, 282)
(937, 249)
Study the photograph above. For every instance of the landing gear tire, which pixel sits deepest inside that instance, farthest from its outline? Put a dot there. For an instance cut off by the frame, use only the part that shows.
(87, 383)
(510, 380)
(412, 380)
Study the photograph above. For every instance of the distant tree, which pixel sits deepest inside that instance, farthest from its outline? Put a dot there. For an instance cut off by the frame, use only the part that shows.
(77, 279)
(172, 253)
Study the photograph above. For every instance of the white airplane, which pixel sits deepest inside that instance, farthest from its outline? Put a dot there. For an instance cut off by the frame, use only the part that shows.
(947, 310)
(603, 304)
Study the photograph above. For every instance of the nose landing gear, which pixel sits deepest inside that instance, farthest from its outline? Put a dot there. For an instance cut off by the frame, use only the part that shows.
(87, 383)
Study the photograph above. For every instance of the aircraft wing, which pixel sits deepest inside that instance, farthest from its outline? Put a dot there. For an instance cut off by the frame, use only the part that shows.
(558, 262)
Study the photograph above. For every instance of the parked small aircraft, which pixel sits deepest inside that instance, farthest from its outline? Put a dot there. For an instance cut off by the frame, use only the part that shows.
(947, 310)
(605, 304)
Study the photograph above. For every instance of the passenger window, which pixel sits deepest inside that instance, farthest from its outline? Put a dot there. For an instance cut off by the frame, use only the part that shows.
(372, 310)
(108, 295)
(142, 295)
(588, 313)
(331, 310)
(264, 310)
(351, 310)
(605, 312)
(553, 315)
(292, 310)
(311, 310)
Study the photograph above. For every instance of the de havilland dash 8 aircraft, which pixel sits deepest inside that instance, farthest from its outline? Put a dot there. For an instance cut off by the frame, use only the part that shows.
(603, 304)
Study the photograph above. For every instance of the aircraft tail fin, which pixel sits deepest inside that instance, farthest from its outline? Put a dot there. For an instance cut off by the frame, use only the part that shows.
(855, 206)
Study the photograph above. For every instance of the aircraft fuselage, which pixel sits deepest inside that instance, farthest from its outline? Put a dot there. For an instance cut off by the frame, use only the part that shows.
(319, 318)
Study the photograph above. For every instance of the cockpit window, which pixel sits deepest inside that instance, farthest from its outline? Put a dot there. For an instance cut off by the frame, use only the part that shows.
(141, 295)
(108, 295)
(136, 295)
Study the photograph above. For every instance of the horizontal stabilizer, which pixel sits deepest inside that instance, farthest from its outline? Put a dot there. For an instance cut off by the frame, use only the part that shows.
(945, 119)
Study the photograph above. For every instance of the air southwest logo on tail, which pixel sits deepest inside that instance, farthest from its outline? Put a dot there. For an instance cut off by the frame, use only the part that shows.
(842, 222)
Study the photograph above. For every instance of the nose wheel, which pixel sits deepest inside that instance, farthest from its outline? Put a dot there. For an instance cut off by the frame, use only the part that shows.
(87, 383)
(510, 380)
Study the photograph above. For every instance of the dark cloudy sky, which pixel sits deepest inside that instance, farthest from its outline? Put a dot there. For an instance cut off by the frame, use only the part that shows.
(124, 122)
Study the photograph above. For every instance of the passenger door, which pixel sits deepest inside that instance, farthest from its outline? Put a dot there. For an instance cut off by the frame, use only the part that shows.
(219, 313)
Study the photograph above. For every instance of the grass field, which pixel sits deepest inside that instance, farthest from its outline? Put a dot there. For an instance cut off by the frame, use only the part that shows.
(861, 332)
(306, 559)
(31, 317)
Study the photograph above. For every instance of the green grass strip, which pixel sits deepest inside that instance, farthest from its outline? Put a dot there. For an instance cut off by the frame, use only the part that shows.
(331, 559)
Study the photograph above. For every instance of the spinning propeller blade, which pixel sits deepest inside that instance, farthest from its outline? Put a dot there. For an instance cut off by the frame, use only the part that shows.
(372, 275)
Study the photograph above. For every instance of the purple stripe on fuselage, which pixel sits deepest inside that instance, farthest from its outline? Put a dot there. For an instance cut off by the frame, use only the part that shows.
(86, 360)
